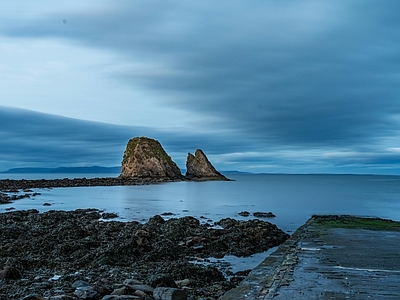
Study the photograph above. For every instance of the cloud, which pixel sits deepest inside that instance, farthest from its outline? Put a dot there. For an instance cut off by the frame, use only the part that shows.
(287, 80)
(33, 139)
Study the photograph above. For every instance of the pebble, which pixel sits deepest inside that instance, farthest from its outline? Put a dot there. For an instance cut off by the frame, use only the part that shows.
(162, 293)
(122, 297)
(85, 292)
(33, 297)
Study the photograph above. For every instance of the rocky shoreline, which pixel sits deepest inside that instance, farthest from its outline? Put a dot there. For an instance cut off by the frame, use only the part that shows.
(82, 254)
(20, 184)
(13, 186)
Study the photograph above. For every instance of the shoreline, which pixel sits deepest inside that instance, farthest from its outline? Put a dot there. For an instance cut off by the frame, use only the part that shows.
(13, 186)
(47, 253)
(21, 184)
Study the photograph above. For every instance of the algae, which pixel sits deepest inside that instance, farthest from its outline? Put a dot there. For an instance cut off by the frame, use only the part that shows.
(356, 222)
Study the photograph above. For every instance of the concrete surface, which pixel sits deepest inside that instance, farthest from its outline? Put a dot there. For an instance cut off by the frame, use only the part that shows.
(320, 262)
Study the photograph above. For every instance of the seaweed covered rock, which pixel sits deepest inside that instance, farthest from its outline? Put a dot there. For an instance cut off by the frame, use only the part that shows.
(146, 158)
(198, 167)
(78, 255)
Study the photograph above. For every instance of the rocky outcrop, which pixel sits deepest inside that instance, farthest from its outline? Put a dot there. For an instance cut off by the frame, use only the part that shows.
(146, 158)
(77, 255)
(198, 167)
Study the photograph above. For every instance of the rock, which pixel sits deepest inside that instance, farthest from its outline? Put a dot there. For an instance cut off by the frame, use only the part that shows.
(131, 281)
(184, 282)
(123, 291)
(106, 216)
(162, 280)
(140, 293)
(264, 214)
(33, 297)
(146, 158)
(4, 198)
(96, 256)
(121, 297)
(80, 283)
(162, 293)
(9, 272)
(141, 287)
(198, 167)
(167, 213)
(84, 290)
(244, 214)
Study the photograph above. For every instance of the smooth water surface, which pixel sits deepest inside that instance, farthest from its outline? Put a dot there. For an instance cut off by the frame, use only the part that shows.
(292, 198)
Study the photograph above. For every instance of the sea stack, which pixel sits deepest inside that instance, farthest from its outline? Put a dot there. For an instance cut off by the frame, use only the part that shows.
(199, 168)
(146, 158)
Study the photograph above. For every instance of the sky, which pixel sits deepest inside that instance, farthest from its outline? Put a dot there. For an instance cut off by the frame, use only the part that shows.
(262, 86)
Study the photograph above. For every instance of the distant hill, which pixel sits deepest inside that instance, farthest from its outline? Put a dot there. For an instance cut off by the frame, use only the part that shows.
(224, 172)
(235, 172)
(82, 170)
(87, 170)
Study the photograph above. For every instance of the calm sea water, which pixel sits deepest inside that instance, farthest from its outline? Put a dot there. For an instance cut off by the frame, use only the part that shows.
(292, 198)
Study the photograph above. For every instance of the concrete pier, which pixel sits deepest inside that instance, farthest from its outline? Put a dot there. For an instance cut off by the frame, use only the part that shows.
(330, 257)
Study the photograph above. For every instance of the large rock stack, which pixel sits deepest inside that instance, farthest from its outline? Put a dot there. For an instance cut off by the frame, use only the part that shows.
(146, 158)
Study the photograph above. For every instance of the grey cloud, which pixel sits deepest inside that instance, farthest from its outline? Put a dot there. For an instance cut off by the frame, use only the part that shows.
(282, 75)
(34, 139)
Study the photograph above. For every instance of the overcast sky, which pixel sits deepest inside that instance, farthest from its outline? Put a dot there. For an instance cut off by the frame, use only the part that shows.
(260, 86)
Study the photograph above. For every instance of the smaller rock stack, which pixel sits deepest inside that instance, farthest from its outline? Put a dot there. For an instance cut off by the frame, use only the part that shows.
(198, 167)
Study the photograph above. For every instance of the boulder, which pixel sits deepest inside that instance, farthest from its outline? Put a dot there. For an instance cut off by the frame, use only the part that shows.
(198, 167)
(146, 158)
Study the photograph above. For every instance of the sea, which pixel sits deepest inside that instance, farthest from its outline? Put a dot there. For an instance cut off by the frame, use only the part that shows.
(293, 199)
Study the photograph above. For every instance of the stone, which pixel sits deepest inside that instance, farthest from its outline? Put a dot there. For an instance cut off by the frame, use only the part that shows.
(163, 293)
(106, 216)
(259, 214)
(184, 282)
(80, 283)
(10, 272)
(33, 297)
(162, 280)
(85, 293)
(141, 287)
(198, 167)
(132, 281)
(244, 214)
(120, 297)
(146, 158)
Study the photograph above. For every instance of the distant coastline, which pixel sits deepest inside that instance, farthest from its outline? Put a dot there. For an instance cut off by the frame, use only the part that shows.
(64, 170)
(83, 170)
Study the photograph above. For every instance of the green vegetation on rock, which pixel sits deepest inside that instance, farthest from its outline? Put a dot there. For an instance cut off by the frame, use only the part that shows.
(153, 149)
(356, 222)
(145, 157)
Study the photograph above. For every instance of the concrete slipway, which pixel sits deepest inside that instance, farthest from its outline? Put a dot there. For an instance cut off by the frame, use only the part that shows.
(330, 257)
